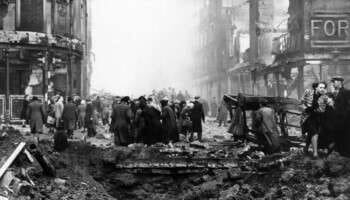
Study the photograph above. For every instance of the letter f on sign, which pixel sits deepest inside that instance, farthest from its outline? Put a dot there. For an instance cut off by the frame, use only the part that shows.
(314, 26)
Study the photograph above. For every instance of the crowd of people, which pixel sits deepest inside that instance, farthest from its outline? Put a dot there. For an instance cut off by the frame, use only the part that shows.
(325, 119)
(146, 120)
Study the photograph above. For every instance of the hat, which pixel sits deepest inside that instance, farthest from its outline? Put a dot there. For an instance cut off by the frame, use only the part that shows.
(165, 99)
(337, 78)
(125, 99)
(142, 98)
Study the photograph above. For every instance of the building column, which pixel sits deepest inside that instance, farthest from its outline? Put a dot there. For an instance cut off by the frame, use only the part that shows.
(278, 84)
(301, 81)
(7, 111)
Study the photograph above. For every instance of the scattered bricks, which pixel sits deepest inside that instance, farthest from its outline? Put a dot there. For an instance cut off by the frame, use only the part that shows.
(197, 144)
(234, 173)
(340, 186)
(22, 188)
(287, 175)
(60, 181)
(230, 193)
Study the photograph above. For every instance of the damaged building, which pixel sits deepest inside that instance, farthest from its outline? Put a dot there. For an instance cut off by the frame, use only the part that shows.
(45, 49)
(286, 46)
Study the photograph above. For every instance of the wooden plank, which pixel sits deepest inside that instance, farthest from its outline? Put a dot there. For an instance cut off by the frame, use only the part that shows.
(10, 160)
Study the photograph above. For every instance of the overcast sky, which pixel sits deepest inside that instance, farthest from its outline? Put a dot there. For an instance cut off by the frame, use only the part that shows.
(142, 45)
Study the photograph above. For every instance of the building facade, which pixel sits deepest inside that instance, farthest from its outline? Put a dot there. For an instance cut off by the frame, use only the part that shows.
(45, 49)
(288, 45)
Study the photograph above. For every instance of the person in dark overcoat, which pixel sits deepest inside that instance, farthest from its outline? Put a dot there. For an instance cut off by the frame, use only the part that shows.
(89, 119)
(121, 121)
(69, 116)
(341, 116)
(36, 115)
(24, 116)
(169, 125)
(151, 132)
(197, 116)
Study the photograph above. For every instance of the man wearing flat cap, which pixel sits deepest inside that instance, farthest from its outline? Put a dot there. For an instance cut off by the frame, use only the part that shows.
(341, 119)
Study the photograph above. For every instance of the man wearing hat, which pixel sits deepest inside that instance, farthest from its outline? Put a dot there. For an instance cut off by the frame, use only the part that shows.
(197, 116)
(121, 121)
(69, 116)
(168, 122)
(341, 115)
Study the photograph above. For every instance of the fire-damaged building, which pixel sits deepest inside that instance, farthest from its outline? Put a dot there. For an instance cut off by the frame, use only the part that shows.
(45, 48)
(288, 45)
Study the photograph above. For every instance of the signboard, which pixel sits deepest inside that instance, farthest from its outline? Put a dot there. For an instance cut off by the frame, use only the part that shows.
(330, 30)
(32, 16)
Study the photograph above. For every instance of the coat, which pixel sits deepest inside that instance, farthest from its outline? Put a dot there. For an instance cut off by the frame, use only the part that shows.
(169, 125)
(58, 110)
(197, 116)
(69, 116)
(36, 115)
(223, 112)
(152, 130)
(120, 125)
(342, 122)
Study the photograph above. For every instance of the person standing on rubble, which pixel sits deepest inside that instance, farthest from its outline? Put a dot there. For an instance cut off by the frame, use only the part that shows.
(320, 101)
(89, 119)
(58, 110)
(168, 122)
(81, 115)
(36, 115)
(151, 131)
(121, 121)
(341, 125)
(69, 116)
(197, 116)
(214, 108)
(223, 112)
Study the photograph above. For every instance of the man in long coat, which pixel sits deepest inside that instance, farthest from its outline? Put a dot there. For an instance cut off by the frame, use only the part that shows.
(36, 115)
(342, 114)
(69, 116)
(169, 123)
(151, 132)
(121, 121)
(197, 116)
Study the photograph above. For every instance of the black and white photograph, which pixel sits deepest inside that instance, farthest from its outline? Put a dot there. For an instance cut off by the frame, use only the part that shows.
(174, 99)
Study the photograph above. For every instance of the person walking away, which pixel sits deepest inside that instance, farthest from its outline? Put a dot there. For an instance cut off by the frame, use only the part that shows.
(213, 108)
(36, 116)
(168, 122)
(59, 110)
(89, 119)
(24, 110)
(197, 116)
(51, 121)
(69, 116)
(185, 118)
(105, 114)
(81, 115)
(223, 112)
(121, 120)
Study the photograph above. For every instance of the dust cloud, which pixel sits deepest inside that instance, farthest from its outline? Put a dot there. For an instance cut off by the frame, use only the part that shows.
(142, 45)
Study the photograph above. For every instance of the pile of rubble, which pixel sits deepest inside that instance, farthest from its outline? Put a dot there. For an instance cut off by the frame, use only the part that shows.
(217, 169)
